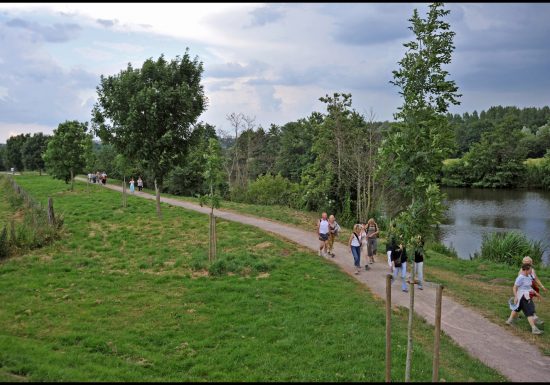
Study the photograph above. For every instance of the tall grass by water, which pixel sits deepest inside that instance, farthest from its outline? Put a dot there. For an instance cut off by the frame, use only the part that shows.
(510, 248)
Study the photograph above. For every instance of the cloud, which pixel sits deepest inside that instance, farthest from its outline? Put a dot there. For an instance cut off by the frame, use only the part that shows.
(107, 23)
(57, 33)
(265, 15)
(234, 70)
(39, 90)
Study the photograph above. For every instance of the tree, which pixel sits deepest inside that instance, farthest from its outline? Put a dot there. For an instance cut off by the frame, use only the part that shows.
(422, 137)
(213, 174)
(33, 151)
(14, 156)
(497, 160)
(147, 113)
(67, 150)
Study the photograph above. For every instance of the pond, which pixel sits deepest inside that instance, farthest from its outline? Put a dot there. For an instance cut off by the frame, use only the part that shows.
(473, 212)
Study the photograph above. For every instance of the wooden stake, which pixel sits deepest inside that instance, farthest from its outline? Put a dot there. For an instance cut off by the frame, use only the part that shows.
(409, 329)
(437, 333)
(51, 216)
(388, 327)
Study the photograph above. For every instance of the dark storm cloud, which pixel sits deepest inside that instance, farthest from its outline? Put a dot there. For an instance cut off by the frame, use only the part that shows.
(56, 33)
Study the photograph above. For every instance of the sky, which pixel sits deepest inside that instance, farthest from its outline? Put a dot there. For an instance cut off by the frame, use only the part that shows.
(271, 61)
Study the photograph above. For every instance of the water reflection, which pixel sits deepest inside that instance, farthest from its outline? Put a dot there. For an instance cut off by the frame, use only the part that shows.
(474, 212)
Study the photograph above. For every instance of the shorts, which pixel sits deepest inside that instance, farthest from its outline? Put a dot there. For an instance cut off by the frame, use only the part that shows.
(528, 307)
(323, 237)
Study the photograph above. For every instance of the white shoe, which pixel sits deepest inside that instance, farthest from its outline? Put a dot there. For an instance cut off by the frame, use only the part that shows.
(536, 330)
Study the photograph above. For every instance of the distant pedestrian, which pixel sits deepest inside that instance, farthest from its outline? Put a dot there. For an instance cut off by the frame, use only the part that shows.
(334, 229)
(391, 244)
(522, 300)
(371, 231)
(140, 183)
(132, 185)
(399, 260)
(354, 243)
(419, 261)
(98, 176)
(104, 178)
(323, 233)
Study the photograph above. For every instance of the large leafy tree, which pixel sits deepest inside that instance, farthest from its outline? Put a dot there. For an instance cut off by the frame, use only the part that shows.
(68, 150)
(14, 156)
(147, 113)
(2, 156)
(422, 137)
(497, 160)
(33, 151)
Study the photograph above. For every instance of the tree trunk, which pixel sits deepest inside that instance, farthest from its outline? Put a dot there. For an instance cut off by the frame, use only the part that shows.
(72, 180)
(157, 191)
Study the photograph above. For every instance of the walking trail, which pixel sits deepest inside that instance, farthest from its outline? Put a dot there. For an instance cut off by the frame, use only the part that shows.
(517, 359)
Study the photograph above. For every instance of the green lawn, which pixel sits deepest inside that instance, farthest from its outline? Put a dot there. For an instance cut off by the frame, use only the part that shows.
(126, 297)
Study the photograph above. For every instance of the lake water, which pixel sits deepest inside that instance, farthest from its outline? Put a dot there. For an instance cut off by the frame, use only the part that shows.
(473, 212)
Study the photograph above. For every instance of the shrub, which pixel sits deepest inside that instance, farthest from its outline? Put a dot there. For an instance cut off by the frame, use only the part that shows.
(510, 248)
(4, 244)
(273, 190)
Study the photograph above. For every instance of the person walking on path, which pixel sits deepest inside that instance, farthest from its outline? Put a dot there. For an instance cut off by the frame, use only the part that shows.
(140, 183)
(391, 244)
(334, 229)
(399, 260)
(132, 185)
(523, 290)
(372, 235)
(355, 245)
(419, 261)
(537, 284)
(323, 233)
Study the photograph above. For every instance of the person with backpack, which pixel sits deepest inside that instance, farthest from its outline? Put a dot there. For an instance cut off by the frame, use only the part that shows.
(334, 229)
(399, 260)
(140, 183)
(354, 242)
(323, 233)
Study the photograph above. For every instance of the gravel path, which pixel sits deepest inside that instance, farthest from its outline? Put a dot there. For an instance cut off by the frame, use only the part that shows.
(518, 360)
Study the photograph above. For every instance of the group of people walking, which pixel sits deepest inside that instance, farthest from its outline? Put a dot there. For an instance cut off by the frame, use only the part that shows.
(139, 184)
(98, 177)
(365, 236)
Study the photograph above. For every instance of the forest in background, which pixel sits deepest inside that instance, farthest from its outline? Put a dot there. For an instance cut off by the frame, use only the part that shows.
(329, 160)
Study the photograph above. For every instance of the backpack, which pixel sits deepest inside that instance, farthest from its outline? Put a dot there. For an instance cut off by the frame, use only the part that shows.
(336, 228)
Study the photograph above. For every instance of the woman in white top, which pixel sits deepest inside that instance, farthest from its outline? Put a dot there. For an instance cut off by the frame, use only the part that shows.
(354, 242)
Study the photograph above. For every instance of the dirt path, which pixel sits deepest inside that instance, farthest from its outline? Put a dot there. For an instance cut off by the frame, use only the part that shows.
(515, 358)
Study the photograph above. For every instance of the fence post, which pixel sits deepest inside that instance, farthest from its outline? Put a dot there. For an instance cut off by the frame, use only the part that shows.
(437, 333)
(408, 359)
(51, 216)
(388, 327)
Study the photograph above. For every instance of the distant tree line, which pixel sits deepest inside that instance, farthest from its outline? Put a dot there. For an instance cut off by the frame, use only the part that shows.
(328, 160)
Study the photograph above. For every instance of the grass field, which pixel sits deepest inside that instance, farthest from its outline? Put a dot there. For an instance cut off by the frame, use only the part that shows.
(463, 278)
(126, 297)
